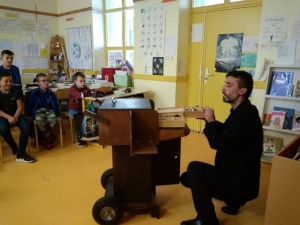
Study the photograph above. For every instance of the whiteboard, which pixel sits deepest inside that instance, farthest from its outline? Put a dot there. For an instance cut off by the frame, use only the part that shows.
(80, 48)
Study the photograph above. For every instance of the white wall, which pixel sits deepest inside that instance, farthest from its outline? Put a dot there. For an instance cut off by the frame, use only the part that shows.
(49, 6)
(67, 5)
(275, 7)
(177, 22)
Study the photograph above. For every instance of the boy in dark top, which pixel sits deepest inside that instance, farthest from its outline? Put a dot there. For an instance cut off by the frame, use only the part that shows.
(78, 91)
(7, 58)
(11, 107)
(43, 107)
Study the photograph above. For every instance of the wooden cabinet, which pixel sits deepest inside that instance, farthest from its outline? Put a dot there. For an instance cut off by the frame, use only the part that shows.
(58, 60)
(283, 199)
(281, 101)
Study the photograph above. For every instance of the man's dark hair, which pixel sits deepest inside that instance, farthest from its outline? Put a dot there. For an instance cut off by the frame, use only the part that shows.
(78, 74)
(298, 119)
(245, 80)
(6, 52)
(4, 74)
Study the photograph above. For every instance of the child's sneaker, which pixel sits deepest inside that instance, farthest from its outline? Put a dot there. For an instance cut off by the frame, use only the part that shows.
(24, 158)
(81, 144)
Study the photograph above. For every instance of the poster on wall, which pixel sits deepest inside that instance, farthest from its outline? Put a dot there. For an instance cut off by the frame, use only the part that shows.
(152, 30)
(80, 48)
(229, 52)
(273, 30)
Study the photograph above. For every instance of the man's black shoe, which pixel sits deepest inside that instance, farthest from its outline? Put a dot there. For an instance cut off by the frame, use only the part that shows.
(231, 210)
(198, 222)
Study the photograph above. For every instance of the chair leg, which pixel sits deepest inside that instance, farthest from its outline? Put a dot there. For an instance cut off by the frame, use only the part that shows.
(36, 138)
(1, 155)
(61, 136)
(72, 129)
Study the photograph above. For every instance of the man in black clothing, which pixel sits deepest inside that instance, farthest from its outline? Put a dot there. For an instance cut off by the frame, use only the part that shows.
(239, 144)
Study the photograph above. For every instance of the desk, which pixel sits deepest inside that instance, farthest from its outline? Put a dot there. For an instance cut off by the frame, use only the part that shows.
(117, 94)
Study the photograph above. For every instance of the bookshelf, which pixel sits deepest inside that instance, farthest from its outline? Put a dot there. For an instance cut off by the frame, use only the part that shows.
(57, 59)
(281, 101)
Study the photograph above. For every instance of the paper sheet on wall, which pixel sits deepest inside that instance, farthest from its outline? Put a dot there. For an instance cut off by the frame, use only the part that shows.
(28, 35)
(197, 30)
(182, 65)
(295, 32)
(31, 49)
(263, 70)
(273, 30)
(152, 30)
(170, 45)
(148, 65)
(250, 44)
(285, 53)
(6, 44)
(43, 27)
(113, 56)
(18, 47)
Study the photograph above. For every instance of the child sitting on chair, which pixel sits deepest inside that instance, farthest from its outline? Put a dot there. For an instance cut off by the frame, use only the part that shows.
(43, 107)
(11, 107)
(78, 91)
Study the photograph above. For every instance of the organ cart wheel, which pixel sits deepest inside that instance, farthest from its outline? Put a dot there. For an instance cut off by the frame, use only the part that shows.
(105, 176)
(108, 211)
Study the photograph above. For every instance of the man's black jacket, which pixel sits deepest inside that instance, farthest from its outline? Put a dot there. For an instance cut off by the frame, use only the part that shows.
(239, 145)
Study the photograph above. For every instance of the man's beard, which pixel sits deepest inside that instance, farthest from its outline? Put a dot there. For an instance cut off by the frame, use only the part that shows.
(228, 99)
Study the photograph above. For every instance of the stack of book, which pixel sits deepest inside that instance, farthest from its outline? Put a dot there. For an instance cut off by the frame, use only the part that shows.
(271, 146)
(175, 116)
(283, 118)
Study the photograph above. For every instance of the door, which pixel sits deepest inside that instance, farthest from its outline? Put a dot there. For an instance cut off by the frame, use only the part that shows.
(239, 20)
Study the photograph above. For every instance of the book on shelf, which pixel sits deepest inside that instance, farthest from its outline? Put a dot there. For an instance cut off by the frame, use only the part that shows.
(277, 119)
(281, 83)
(267, 119)
(296, 121)
(297, 155)
(271, 146)
(175, 116)
(297, 89)
(289, 116)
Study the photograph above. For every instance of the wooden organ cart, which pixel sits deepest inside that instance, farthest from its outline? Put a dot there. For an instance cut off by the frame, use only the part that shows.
(144, 156)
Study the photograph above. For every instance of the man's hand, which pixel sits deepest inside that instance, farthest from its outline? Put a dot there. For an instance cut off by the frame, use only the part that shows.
(209, 115)
(11, 120)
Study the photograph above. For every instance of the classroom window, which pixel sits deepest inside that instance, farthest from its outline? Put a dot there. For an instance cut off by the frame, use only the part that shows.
(119, 25)
(129, 27)
(200, 3)
(113, 4)
(236, 0)
(114, 29)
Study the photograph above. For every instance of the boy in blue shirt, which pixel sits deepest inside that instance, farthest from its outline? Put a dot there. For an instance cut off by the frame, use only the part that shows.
(11, 107)
(7, 58)
(43, 107)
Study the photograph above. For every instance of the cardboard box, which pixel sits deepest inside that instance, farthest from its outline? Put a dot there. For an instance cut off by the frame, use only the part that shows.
(175, 116)
(283, 201)
(122, 80)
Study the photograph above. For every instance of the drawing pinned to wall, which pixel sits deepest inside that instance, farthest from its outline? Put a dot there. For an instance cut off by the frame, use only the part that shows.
(158, 65)
(152, 30)
(229, 52)
(76, 53)
(113, 56)
(43, 27)
(80, 48)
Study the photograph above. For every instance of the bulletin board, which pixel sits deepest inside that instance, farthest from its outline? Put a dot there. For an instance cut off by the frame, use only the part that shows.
(80, 48)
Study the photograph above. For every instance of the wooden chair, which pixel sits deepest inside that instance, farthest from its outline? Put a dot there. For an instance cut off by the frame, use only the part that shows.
(13, 128)
(64, 94)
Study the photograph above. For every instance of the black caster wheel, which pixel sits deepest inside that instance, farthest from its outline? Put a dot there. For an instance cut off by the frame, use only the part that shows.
(108, 211)
(105, 176)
